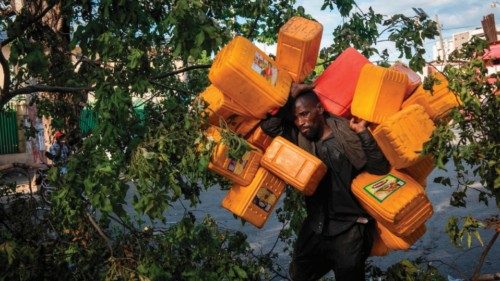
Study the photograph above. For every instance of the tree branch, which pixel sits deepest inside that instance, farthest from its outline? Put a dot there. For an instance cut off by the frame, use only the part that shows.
(253, 27)
(32, 21)
(188, 68)
(5, 98)
(6, 72)
(100, 232)
(50, 89)
(477, 270)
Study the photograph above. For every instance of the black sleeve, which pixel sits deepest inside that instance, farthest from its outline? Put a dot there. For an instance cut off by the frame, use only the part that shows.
(280, 124)
(376, 163)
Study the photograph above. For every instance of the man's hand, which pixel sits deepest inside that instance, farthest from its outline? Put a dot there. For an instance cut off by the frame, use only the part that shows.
(298, 88)
(358, 125)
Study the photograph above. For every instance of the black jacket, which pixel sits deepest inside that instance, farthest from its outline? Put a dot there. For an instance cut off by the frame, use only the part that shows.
(333, 208)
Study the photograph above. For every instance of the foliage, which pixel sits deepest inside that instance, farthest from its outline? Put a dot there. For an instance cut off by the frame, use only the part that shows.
(469, 228)
(470, 140)
(363, 31)
(413, 271)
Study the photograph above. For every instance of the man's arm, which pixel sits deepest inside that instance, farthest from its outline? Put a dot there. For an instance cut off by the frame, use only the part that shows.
(279, 124)
(376, 163)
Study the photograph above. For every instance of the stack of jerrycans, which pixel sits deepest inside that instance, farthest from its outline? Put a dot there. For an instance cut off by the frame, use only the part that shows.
(396, 201)
(247, 85)
(401, 126)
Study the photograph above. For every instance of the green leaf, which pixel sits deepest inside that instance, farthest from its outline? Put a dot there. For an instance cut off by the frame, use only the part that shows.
(200, 38)
(478, 237)
(241, 273)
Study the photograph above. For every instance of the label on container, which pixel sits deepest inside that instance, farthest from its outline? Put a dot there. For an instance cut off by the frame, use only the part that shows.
(382, 188)
(265, 199)
(237, 167)
(265, 69)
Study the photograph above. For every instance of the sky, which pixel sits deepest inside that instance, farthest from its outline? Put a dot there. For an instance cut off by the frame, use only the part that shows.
(454, 15)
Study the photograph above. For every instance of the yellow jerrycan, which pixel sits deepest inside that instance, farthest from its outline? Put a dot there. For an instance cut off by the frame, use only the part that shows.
(255, 202)
(394, 200)
(438, 103)
(241, 172)
(379, 93)
(259, 139)
(294, 165)
(421, 169)
(221, 110)
(250, 78)
(403, 135)
(395, 242)
(298, 47)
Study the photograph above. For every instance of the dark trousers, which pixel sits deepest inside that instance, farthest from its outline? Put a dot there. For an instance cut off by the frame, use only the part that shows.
(316, 254)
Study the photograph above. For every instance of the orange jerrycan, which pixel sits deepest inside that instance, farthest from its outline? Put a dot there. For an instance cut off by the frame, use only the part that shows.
(379, 93)
(294, 165)
(439, 102)
(379, 248)
(402, 136)
(221, 109)
(394, 200)
(298, 46)
(259, 139)
(255, 202)
(250, 78)
(421, 169)
(336, 85)
(241, 172)
(395, 242)
(414, 79)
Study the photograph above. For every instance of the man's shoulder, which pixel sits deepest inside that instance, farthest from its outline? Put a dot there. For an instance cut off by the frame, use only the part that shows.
(336, 118)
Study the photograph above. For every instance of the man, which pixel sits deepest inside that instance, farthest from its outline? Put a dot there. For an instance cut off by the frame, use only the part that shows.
(59, 151)
(337, 233)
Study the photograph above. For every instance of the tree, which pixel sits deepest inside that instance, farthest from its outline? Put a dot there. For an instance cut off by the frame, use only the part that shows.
(120, 51)
(470, 141)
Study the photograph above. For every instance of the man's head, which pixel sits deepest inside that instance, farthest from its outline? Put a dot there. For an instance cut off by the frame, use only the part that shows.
(308, 113)
(59, 136)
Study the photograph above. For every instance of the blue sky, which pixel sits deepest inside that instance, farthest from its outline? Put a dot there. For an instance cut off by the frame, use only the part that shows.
(454, 15)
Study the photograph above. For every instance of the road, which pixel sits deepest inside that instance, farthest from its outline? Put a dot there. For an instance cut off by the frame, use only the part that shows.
(435, 245)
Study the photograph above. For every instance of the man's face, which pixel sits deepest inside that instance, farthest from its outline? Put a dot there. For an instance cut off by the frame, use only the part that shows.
(308, 118)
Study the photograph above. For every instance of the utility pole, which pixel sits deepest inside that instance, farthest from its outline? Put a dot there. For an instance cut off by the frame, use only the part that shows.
(441, 39)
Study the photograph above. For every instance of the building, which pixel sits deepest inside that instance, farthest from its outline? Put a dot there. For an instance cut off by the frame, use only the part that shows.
(456, 41)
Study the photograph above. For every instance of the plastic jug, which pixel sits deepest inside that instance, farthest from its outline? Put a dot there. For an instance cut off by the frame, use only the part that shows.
(336, 85)
(402, 136)
(395, 242)
(421, 169)
(294, 165)
(394, 200)
(414, 79)
(250, 78)
(259, 139)
(241, 172)
(222, 110)
(255, 202)
(438, 103)
(298, 46)
(379, 93)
